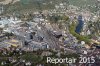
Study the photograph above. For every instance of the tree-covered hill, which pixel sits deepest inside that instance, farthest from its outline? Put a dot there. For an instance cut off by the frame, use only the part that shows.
(32, 5)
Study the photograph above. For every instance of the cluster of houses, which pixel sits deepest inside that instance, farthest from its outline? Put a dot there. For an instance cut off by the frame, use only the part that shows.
(25, 34)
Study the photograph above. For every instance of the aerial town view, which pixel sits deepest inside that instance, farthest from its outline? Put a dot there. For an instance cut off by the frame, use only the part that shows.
(49, 32)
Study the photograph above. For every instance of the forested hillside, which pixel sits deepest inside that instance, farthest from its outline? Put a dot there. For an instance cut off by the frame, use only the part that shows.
(33, 5)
